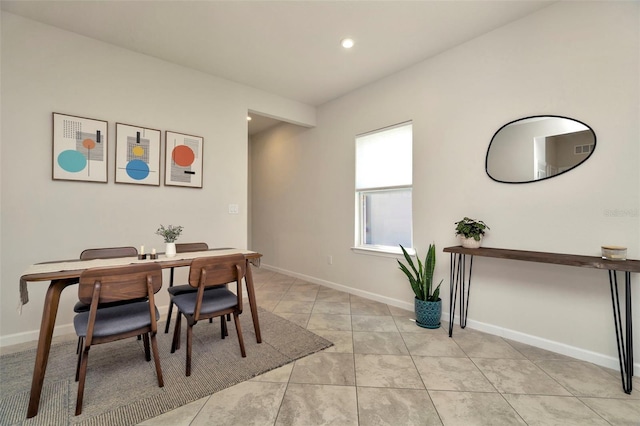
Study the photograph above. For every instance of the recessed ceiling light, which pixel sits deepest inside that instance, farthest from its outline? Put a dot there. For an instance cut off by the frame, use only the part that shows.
(248, 118)
(347, 43)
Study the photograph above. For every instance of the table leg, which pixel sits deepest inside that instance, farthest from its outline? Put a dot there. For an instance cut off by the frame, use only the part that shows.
(253, 302)
(49, 314)
(624, 340)
(453, 291)
(464, 307)
(458, 279)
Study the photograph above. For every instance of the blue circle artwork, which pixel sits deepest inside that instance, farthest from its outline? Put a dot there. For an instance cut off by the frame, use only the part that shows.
(72, 161)
(137, 169)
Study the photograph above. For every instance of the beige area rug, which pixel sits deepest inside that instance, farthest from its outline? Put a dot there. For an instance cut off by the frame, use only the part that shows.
(121, 387)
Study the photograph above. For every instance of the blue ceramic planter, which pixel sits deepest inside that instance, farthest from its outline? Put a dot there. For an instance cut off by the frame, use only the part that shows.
(428, 313)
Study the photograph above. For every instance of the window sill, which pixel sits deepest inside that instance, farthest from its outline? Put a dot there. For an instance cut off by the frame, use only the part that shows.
(383, 251)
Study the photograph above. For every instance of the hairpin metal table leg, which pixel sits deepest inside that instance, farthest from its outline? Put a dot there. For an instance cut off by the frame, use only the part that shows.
(453, 291)
(464, 307)
(458, 280)
(624, 340)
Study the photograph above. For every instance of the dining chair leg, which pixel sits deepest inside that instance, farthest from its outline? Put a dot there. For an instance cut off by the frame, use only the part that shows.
(156, 359)
(81, 340)
(166, 327)
(236, 319)
(175, 344)
(83, 376)
(145, 343)
(223, 328)
(189, 337)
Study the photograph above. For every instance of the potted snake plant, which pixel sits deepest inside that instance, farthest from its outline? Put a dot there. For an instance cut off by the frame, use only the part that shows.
(428, 305)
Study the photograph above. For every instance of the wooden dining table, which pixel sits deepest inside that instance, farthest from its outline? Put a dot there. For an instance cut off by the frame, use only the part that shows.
(62, 274)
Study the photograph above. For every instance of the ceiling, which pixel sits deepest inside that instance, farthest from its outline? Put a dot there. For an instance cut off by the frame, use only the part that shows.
(288, 48)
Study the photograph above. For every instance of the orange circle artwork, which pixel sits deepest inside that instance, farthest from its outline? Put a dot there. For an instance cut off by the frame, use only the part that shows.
(183, 156)
(89, 143)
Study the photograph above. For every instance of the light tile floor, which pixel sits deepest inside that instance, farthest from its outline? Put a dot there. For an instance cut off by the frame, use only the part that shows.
(384, 370)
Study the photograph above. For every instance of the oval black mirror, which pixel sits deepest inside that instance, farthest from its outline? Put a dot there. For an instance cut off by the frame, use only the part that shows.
(539, 147)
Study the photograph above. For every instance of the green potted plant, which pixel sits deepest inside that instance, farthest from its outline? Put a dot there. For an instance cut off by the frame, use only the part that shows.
(470, 232)
(170, 235)
(428, 305)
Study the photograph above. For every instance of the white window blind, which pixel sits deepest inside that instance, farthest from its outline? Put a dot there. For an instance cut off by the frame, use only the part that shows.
(384, 158)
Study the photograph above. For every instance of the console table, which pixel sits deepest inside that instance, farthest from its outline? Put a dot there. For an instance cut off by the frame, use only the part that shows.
(460, 280)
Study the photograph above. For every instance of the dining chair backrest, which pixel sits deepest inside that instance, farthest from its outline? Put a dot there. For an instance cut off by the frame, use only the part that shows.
(120, 283)
(108, 253)
(217, 270)
(188, 247)
(104, 325)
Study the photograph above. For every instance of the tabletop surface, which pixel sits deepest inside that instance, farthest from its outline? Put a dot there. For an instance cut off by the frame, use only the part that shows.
(629, 265)
(35, 271)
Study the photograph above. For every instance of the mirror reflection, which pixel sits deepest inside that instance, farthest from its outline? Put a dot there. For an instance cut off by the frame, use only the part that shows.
(539, 147)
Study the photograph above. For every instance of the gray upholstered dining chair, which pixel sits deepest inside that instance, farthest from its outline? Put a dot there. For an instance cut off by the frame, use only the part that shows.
(107, 324)
(211, 274)
(103, 253)
(185, 288)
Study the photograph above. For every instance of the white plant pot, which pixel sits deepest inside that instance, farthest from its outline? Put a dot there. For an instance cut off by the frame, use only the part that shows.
(470, 242)
(170, 250)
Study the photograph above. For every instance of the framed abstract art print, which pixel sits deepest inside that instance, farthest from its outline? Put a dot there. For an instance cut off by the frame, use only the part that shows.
(79, 148)
(183, 160)
(137, 155)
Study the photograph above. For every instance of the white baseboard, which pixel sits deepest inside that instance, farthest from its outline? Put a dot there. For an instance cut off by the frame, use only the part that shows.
(542, 343)
(539, 342)
(59, 330)
(362, 293)
(30, 336)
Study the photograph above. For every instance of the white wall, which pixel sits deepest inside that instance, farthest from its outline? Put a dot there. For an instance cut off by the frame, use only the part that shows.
(303, 180)
(47, 70)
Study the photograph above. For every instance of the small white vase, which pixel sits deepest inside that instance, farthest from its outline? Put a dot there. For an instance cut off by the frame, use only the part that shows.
(170, 250)
(470, 242)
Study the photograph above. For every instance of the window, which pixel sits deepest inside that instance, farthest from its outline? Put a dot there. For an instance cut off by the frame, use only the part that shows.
(383, 188)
